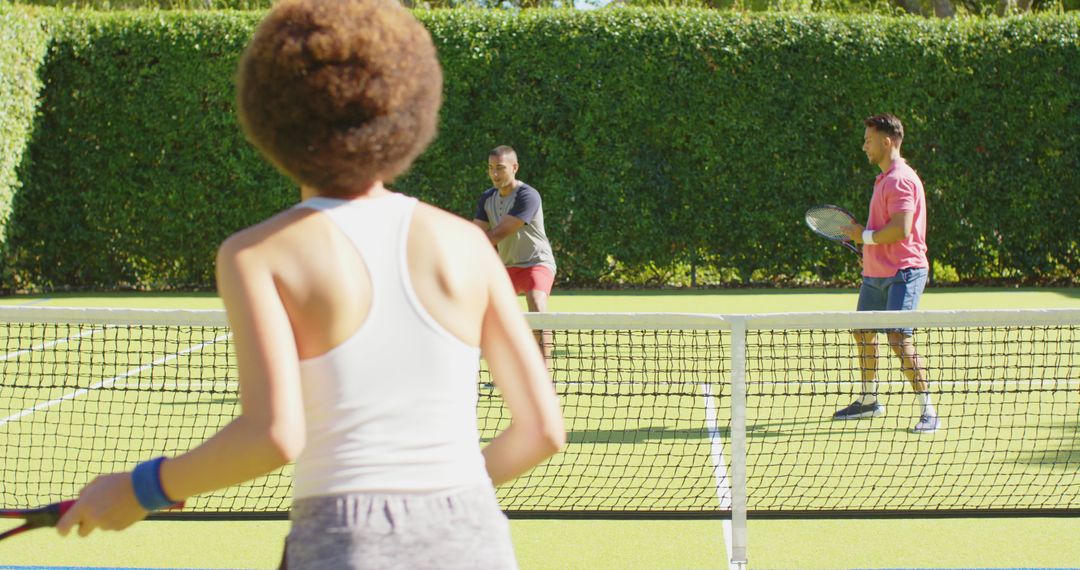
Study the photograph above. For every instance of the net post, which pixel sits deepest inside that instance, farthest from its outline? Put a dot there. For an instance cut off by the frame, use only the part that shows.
(738, 444)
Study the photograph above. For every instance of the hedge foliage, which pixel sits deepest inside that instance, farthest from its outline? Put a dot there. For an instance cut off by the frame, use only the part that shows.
(155, 4)
(139, 167)
(659, 139)
(22, 50)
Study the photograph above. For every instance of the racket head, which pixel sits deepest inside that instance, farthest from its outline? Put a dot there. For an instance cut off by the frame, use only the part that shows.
(827, 220)
(39, 517)
(17, 530)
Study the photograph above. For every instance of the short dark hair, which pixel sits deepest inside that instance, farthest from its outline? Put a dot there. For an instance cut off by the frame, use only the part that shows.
(887, 124)
(501, 151)
(339, 93)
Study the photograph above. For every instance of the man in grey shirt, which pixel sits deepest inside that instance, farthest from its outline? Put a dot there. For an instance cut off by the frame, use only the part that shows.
(512, 216)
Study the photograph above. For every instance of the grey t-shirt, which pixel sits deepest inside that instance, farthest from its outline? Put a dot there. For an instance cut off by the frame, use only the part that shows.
(529, 245)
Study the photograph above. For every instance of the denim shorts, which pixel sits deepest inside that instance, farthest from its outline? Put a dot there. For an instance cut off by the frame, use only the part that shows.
(901, 292)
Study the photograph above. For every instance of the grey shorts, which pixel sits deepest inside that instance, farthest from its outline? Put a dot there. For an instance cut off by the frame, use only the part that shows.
(464, 529)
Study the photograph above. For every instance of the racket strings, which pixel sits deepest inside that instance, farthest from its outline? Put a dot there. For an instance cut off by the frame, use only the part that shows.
(829, 222)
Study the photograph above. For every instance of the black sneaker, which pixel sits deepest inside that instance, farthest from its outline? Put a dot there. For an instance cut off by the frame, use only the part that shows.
(857, 410)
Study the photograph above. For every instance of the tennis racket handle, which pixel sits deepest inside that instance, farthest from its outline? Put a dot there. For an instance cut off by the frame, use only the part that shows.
(63, 507)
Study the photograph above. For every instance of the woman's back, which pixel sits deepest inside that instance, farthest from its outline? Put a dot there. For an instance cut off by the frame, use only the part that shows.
(391, 407)
(326, 288)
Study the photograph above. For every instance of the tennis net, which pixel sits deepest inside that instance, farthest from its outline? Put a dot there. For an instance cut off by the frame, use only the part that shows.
(668, 415)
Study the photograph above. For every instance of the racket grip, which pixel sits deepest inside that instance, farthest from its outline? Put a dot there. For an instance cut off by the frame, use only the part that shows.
(63, 507)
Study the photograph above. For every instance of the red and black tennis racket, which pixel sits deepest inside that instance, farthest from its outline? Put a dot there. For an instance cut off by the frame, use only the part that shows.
(40, 517)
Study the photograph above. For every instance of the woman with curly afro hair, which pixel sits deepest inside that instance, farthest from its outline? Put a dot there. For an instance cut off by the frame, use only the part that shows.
(358, 319)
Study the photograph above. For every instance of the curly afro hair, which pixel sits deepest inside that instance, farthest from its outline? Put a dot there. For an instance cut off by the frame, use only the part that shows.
(340, 93)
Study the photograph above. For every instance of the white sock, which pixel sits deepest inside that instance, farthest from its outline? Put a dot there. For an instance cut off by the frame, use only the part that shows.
(927, 405)
(869, 392)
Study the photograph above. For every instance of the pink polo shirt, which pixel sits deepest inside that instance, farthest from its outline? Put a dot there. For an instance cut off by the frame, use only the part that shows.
(898, 189)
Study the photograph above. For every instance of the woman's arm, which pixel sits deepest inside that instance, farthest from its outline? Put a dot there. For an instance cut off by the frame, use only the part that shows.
(270, 429)
(536, 429)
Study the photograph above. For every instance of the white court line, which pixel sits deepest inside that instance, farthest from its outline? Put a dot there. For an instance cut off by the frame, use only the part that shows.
(45, 345)
(110, 381)
(720, 470)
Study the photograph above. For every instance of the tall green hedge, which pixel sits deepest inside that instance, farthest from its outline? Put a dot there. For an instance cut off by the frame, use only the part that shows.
(139, 167)
(692, 136)
(659, 139)
(22, 50)
(154, 4)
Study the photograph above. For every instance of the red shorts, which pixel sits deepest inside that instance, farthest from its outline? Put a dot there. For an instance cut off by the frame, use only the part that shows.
(535, 278)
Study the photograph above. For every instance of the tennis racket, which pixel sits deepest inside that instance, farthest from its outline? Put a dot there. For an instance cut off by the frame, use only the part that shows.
(827, 220)
(41, 517)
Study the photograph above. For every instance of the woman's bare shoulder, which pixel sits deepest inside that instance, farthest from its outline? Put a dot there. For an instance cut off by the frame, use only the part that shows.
(448, 226)
(267, 232)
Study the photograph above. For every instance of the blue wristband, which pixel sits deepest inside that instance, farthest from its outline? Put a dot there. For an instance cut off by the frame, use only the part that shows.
(146, 478)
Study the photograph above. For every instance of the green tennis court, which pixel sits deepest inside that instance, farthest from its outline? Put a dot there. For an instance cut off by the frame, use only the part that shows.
(647, 419)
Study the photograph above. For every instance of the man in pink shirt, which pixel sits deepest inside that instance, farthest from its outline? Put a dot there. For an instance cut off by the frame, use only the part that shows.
(895, 268)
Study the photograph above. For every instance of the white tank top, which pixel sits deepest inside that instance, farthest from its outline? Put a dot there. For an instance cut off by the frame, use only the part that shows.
(393, 408)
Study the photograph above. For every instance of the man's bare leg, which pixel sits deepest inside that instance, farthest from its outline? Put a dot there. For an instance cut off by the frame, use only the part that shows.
(866, 344)
(537, 302)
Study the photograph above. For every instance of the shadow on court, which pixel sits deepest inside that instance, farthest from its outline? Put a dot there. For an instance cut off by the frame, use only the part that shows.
(803, 427)
(1063, 458)
(632, 436)
(1061, 448)
(641, 435)
(228, 400)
